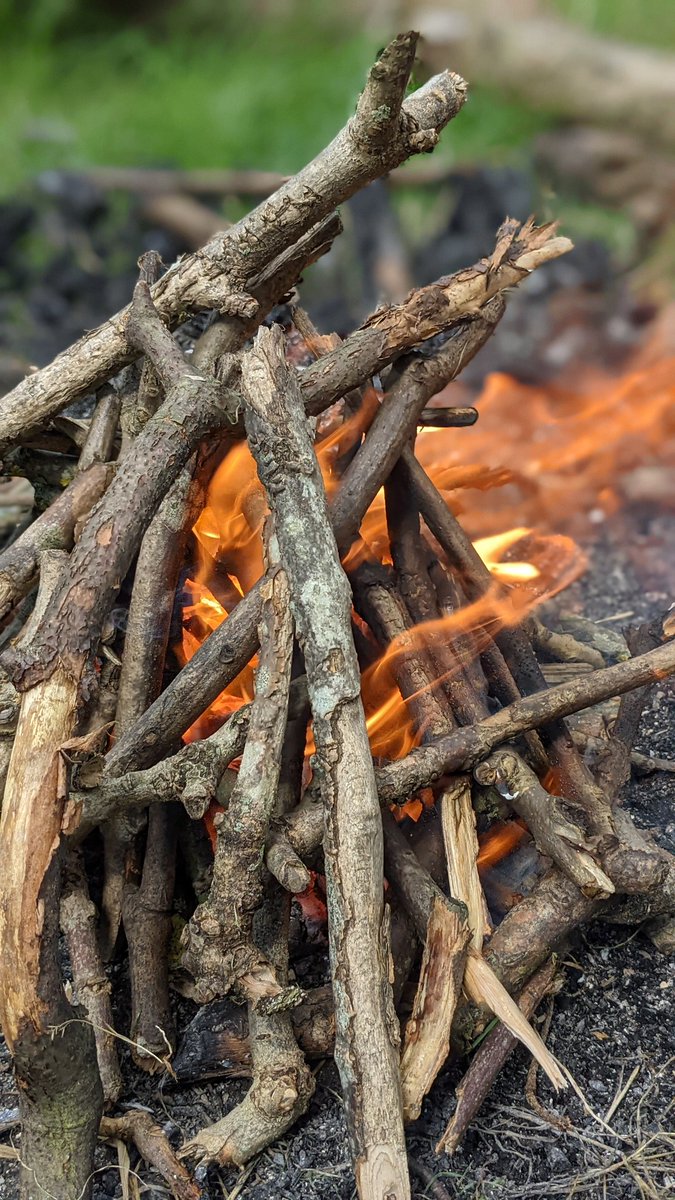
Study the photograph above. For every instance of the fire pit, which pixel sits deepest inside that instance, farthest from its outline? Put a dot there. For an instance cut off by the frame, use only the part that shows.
(365, 589)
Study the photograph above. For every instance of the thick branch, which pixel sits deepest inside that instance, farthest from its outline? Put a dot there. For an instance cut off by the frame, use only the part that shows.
(366, 1051)
(554, 833)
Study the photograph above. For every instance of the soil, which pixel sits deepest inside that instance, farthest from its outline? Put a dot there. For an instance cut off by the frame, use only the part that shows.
(612, 1021)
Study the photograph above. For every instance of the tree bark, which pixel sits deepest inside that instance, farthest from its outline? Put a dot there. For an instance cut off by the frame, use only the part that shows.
(366, 1045)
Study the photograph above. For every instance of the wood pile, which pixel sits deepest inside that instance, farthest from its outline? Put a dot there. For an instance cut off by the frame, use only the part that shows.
(96, 746)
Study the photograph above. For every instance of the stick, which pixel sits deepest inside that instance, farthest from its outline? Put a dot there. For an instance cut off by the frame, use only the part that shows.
(147, 911)
(54, 530)
(138, 1128)
(92, 987)
(366, 1051)
(99, 444)
(219, 949)
(461, 750)
(216, 276)
(158, 566)
(489, 1059)
(554, 833)
(192, 775)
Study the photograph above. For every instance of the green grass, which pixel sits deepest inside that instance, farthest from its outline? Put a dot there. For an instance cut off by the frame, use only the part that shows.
(205, 87)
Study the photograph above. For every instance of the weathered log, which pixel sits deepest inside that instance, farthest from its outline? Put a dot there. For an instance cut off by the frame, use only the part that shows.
(366, 1051)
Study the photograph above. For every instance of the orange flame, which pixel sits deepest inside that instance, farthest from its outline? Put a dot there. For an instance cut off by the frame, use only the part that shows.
(499, 841)
(558, 457)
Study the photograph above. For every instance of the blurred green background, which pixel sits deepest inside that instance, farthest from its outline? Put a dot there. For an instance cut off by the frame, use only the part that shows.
(229, 84)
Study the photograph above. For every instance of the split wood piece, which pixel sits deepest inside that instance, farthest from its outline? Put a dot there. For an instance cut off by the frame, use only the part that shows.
(54, 1050)
(79, 925)
(194, 406)
(99, 444)
(158, 567)
(232, 645)
(462, 749)
(458, 821)
(516, 648)
(379, 136)
(426, 1043)
(419, 893)
(366, 1029)
(220, 952)
(138, 1129)
(489, 1059)
(554, 833)
(54, 530)
(283, 1084)
(147, 912)
(142, 396)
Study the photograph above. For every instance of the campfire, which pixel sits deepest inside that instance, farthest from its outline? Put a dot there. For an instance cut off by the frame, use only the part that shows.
(339, 694)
